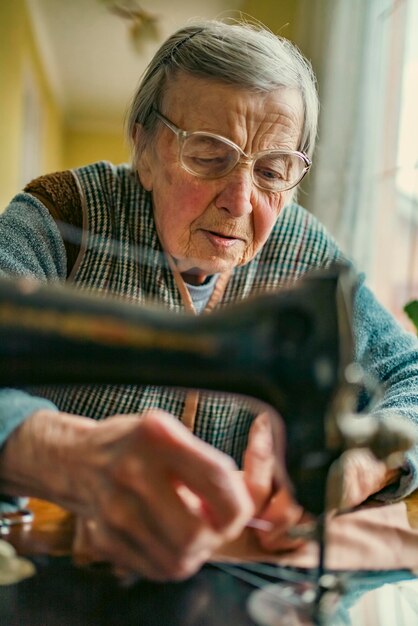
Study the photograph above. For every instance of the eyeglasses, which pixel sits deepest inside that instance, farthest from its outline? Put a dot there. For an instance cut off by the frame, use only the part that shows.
(208, 155)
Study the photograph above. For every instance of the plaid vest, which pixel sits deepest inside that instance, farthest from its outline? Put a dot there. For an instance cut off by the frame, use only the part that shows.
(121, 255)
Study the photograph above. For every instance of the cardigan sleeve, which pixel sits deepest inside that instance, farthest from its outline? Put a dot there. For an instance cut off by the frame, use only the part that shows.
(31, 245)
(390, 355)
(15, 407)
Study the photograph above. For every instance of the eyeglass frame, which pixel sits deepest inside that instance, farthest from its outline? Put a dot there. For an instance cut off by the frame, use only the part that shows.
(182, 135)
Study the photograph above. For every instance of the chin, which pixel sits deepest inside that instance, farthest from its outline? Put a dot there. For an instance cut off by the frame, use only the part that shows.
(206, 266)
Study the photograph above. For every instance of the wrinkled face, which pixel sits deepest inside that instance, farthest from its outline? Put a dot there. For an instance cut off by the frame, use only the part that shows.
(210, 226)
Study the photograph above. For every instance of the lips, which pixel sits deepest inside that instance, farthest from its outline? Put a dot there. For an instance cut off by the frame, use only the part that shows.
(216, 234)
(222, 242)
(226, 236)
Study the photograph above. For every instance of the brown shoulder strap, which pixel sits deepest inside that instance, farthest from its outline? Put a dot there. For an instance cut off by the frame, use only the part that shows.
(58, 192)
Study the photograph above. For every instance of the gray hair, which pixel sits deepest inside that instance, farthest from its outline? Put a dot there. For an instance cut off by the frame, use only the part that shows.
(243, 54)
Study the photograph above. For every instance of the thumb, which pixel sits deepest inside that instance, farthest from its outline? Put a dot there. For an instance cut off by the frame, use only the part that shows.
(259, 461)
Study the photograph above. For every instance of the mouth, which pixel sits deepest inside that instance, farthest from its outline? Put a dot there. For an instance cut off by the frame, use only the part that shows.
(223, 237)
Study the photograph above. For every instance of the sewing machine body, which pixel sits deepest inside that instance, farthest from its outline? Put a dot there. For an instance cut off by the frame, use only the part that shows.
(292, 350)
(288, 349)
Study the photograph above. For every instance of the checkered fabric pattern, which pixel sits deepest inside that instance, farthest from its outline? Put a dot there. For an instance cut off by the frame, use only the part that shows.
(122, 256)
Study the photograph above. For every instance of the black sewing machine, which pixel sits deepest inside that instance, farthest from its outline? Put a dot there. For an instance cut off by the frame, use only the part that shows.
(292, 350)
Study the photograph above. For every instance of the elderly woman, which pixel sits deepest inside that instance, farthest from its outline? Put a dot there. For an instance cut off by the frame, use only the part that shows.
(223, 127)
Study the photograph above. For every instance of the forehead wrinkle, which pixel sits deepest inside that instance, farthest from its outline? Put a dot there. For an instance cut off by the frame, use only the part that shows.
(253, 121)
(281, 129)
(277, 136)
(258, 130)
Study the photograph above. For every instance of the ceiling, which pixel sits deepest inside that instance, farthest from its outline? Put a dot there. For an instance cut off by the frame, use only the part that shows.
(90, 61)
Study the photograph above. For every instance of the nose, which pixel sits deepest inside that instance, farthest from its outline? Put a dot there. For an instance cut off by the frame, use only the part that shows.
(235, 195)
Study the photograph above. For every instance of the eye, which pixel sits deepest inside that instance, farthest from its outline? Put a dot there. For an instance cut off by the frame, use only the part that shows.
(272, 167)
(208, 160)
(206, 150)
(207, 155)
(269, 174)
(207, 165)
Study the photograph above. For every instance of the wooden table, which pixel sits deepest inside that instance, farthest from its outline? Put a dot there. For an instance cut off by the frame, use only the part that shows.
(52, 530)
(412, 506)
(64, 595)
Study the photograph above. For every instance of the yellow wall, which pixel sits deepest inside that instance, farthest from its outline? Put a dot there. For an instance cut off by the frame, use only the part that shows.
(17, 52)
(11, 35)
(280, 16)
(60, 147)
(81, 147)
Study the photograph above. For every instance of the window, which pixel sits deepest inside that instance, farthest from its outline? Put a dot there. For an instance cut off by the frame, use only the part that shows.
(407, 176)
(365, 170)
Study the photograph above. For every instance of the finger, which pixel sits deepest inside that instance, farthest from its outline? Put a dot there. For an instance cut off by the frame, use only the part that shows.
(147, 557)
(164, 446)
(281, 539)
(356, 476)
(153, 512)
(207, 472)
(136, 497)
(284, 514)
(142, 501)
(107, 546)
(82, 549)
(259, 461)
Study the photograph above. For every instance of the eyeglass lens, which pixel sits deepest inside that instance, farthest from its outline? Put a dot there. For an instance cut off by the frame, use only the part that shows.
(210, 157)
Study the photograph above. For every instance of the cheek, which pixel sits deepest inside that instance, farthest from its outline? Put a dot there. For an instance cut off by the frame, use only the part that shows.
(192, 197)
(266, 216)
(177, 205)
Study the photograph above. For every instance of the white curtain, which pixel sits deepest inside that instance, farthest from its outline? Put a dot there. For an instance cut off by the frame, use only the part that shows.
(349, 43)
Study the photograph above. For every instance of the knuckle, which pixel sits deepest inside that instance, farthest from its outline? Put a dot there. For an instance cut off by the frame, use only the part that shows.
(118, 519)
(191, 552)
(185, 567)
(101, 548)
(190, 536)
(127, 473)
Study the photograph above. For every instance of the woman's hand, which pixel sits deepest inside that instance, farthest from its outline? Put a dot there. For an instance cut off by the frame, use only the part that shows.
(356, 477)
(153, 499)
(268, 485)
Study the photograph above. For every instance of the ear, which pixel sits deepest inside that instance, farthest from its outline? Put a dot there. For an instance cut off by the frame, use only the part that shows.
(143, 156)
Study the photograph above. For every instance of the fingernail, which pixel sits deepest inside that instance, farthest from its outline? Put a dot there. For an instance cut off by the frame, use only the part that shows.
(260, 524)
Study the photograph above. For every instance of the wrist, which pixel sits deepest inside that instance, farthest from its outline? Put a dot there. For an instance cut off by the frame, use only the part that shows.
(41, 458)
